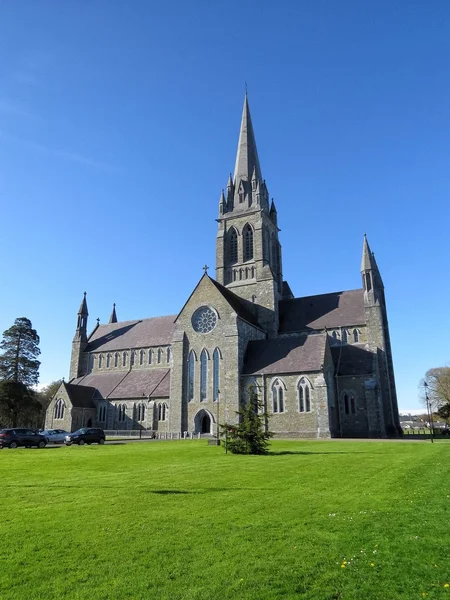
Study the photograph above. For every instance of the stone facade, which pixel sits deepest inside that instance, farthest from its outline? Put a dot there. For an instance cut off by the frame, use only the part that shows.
(321, 365)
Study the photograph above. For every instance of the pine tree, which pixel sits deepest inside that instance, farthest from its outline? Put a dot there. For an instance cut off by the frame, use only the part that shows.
(20, 347)
(19, 371)
(249, 436)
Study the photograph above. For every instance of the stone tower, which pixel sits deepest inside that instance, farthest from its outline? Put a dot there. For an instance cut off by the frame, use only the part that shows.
(378, 337)
(79, 342)
(248, 251)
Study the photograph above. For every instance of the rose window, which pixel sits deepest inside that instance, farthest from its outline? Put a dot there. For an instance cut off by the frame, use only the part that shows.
(204, 319)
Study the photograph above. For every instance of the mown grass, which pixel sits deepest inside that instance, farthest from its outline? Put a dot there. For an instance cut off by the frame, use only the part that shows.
(181, 520)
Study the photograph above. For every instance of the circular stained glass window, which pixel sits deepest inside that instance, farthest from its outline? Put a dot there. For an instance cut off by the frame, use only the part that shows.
(204, 319)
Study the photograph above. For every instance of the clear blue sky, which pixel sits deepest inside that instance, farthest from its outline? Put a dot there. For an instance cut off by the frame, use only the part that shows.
(118, 128)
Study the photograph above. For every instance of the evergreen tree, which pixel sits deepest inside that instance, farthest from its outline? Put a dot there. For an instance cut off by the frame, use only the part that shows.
(249, 436)
(20, 347)
(19, 371)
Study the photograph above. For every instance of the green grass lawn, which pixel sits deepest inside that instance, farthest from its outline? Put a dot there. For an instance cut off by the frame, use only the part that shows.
(181, 520)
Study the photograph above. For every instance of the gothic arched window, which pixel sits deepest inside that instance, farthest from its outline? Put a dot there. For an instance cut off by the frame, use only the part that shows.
(159, 355)
(247, 236)
(116, 359)
(349, 402)
(108, 360)
(140, 412)
(168, 354)
(100, 361)
(304, 395)
(141, 357)
(150, 356)
(216, 374)
(277, 396)
(355, 336)
(232, 246)
(344, 336)
(191, 375)
(121, 412)
(101, 415)
(124, 359)
(60, 405)
(203, 375)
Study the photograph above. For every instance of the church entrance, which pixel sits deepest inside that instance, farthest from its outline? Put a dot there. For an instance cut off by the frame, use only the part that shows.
(206, 424)
(203, 422)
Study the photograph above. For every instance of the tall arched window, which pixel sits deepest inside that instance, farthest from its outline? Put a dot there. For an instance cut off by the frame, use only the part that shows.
(124, 359)
(247, 236)
(108, 360)
(60, 406)
(159, 355)
(216, 374)
(355, 336)
(100, 361)
(203, 375)
(232, 246)
(140, 412)
(150, 356)
(304, 395)
(349, 402)
(164, 411)
(191, 375)
(344, 336)
(101, 415)
(141, 357)
(121, 412)
(277, 396)
(168, 354)
(116, 359)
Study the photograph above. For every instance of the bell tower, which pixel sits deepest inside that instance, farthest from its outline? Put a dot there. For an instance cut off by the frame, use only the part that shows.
(248, 251)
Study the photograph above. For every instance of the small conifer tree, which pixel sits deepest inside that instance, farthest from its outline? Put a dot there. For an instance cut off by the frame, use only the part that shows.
(250, 435)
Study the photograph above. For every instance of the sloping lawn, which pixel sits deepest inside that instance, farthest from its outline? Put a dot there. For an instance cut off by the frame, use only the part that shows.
(181, 520)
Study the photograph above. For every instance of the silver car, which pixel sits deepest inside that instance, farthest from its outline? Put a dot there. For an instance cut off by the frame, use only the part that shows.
(57, 436)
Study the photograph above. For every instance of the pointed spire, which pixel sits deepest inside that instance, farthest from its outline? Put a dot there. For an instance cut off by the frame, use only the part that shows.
(113, 317)
(367, 262)
(83, 310)
(272, 207)
(230, 184)
(247, 162)
(222, 204)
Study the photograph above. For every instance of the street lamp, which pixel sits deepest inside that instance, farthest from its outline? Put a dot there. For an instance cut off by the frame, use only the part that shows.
(430, 413)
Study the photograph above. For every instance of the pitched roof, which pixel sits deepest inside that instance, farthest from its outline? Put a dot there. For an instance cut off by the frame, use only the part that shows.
(285, 355)
(240, 306)
(126, 384)
(103, 383)
(80, 396)
(150, 382)
(338, 309)
(352, 359)
(156, 331)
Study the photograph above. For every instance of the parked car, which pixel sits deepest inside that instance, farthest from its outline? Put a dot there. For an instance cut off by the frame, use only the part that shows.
(57, 436)
(85, 435)
(11, 438)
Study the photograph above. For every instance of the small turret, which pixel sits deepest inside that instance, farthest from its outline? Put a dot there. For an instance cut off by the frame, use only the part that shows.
(222, 204)
(254, 180)
(113, 317)
(372, 282)
(81, 331)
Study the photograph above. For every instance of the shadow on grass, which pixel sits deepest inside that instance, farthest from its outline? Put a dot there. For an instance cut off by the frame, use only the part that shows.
(284, 452)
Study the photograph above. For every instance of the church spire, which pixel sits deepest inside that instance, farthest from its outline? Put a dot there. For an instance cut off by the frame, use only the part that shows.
(247, 162)
(113, 317)
(372, 282)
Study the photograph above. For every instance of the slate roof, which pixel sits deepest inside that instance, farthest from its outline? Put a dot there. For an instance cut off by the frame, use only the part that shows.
(352, 360)
(156, 331)
(285, 355)
(80, 396)
(126, 384)
(338, 309)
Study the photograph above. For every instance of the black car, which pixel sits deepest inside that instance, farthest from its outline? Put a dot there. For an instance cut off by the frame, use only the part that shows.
(85, 435)
(11, 438)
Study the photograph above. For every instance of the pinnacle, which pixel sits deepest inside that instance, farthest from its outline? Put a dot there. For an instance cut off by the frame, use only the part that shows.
(247, 161)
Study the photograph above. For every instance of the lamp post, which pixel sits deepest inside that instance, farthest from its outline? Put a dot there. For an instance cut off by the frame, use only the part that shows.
(430, 414)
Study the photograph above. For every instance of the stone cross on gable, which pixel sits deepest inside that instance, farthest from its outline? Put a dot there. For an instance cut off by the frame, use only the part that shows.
(205, 268)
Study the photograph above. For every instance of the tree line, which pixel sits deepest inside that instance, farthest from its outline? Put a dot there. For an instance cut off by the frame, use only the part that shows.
(21, 405)
(436, 387)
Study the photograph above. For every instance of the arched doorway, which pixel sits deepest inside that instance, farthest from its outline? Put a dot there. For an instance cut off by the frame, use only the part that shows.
(203, 422)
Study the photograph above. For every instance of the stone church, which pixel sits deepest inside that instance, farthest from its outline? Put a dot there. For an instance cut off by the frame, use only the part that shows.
(322, 365)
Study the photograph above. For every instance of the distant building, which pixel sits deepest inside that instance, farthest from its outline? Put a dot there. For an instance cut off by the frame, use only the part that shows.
(322, 364)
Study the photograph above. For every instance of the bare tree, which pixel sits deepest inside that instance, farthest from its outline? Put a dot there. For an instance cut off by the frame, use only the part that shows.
(437, 386)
